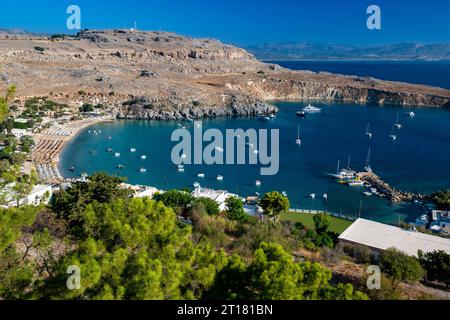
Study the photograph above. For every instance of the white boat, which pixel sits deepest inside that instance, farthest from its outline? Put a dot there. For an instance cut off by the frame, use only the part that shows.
(196, 185)
(117, 154)
(183, 156)
(393, 136)
(143, 157)
(367, 166)
(109, 138)
(374, 190)
(219, 149)
(313, 196)
(201, 175)
(325, 196)
(368, 133)
(263, 117)
(255, 151)
(356, 183)
(367, 193)
(142, 170)
(284, 193)
(219, 178)
(311, 109)
(250, 145)
(397, 124)
(412, 114)
(258, 183)
(298, 141)
(273, 116)
(132, 150)
(180, 168)
(189, 119)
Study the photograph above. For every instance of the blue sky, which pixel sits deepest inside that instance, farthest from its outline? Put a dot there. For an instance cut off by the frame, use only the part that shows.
(245, 22)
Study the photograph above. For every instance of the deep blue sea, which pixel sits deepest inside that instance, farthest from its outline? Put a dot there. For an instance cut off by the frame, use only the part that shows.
(418, 72)
(418, 161)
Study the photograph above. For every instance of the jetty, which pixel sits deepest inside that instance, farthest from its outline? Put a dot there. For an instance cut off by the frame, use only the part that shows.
(385, 190)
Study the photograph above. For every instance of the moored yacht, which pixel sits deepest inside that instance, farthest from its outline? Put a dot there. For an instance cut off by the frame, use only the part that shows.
(219, 178)
(311, 109)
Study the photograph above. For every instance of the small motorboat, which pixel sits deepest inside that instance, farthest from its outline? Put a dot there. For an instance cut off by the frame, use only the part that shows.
(117, 155)
(132, 150)
(258, 183)
(201, 175)
(412, 114)
(72, 169)
(120, 166)
(367, 193)
(356, 183)
(109, 150)
(180, 168)
(300, 114)
(142, 170)
(143, 157)
(284, 193)
(219, 178)
(183, 156)
(196, 185)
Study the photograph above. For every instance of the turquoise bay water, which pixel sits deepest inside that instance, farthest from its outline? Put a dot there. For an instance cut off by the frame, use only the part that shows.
(418, 161)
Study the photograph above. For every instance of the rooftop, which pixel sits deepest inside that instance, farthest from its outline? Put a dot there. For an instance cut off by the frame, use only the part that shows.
(381, 236)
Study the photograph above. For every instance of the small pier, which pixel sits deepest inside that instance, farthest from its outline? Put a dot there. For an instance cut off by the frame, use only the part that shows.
(385, 190)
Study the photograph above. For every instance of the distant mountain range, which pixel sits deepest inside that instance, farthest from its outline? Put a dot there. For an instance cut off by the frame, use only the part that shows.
(328, 51)
(18, 32)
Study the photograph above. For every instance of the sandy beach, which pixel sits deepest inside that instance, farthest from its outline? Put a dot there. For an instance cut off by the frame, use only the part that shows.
(50, 143)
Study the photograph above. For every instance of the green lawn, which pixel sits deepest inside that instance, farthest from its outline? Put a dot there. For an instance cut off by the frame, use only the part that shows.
(337, 225)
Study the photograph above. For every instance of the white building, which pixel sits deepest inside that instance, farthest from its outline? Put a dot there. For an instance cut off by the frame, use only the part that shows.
(217, 195)
(19, 133)
(40, 194)
(380, 237)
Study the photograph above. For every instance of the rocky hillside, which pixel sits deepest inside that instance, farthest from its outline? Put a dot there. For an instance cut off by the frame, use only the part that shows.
(164, 76)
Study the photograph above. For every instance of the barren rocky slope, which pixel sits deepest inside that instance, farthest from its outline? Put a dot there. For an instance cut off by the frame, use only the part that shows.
(164, 76)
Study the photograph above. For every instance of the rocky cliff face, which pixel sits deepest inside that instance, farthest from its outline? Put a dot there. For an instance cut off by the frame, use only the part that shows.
(158, 75)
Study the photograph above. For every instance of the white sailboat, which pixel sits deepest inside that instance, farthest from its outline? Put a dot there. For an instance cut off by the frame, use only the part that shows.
(368, 133)
(397, 124)
(393, 136)
(298, 141)
(367, 166)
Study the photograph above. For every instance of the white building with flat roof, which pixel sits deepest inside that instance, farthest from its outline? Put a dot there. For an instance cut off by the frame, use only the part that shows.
(217, 195)
(380, 237)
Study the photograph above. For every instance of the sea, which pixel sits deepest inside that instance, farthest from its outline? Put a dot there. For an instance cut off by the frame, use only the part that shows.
(418, 161)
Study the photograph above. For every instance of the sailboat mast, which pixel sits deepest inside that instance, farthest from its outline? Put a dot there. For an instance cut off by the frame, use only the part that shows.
(349, 160)
(338, 166)
(368, 157)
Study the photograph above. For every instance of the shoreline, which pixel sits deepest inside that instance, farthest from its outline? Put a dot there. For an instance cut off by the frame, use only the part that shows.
(50, 144)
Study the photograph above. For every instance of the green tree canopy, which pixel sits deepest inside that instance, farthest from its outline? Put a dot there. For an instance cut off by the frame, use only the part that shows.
(274, 203)
(235, 210)
(436, 265)
(400, 267)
